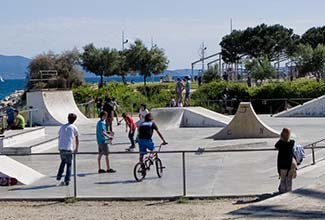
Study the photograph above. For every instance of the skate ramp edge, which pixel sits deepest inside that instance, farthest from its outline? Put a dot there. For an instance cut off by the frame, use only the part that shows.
(168, 118)
(14, 169)
(312, 108)
(246, 124)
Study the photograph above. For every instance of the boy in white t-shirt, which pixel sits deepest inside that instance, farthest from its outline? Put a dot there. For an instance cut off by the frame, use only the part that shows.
(67, 134)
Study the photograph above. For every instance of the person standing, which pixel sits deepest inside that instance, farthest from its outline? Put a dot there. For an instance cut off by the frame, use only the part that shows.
(99, 105)
(187, 101)
(102, 136)
(108, 108)
(115, 106)
(67, 134)
(130, 127)
(178, 91)
(142, 114)
(286, 163)
(10, 115)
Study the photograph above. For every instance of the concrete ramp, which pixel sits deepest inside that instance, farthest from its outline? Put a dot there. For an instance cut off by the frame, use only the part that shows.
(24, 174)
(246, 124)
(312, 108)
(54, 107)
(168, 118)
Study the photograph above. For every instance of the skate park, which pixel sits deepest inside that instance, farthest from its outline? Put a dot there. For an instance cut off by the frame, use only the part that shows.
(201, 159)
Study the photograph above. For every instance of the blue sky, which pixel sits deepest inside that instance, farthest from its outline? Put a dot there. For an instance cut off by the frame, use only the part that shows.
(30, 27)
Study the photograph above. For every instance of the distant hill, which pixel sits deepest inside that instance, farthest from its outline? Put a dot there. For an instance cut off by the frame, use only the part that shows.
(13, 67)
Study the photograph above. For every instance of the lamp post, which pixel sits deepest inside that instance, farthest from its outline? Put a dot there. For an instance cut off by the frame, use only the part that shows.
(202, 50)
(124, 41)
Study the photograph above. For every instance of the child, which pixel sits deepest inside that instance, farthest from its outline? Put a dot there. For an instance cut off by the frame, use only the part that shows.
(130, 125)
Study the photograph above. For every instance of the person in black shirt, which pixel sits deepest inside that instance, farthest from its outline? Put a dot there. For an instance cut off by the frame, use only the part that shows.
(110, 114)
(145, 135)
(286, 164)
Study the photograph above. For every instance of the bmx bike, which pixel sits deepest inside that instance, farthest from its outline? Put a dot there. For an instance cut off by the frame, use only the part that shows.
(141, 168)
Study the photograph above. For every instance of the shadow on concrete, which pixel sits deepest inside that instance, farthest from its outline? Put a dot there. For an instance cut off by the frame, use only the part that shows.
(34, 188)
(256, 199)
(124, 181)
(276, 212)
(310, 193)
(86, 174)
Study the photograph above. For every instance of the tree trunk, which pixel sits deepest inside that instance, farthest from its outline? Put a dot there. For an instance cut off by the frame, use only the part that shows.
(145, 80)
(124, 80)
(101, 83)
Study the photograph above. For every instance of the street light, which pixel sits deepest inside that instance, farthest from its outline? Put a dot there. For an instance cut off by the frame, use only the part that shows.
(124, 41)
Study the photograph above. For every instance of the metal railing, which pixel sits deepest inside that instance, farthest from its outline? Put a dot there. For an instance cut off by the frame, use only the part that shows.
(313, 146)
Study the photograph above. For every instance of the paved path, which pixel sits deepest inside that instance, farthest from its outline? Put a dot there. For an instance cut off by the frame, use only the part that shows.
(207, 174)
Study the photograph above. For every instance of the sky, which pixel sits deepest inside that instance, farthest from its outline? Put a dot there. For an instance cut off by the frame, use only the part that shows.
(31, 27)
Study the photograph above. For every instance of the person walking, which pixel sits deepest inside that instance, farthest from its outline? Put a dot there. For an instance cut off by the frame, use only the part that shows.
(67, 134)
(286, 163)
(99, 105)
(115, 106)
(102, 136)
(178, 91)
(130, 127)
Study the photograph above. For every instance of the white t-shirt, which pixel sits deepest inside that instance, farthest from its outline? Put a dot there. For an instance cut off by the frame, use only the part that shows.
(67, 133)
(143, 114)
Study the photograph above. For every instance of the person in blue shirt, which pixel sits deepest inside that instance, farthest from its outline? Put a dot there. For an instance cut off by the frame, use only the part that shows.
(10, 115)
(102, 136)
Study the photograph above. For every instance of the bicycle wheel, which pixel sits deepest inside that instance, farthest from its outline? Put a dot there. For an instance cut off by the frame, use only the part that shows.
(139, 172)
(159, 167)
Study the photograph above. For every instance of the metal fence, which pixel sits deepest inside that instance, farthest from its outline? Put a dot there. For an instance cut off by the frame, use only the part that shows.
(183, 162)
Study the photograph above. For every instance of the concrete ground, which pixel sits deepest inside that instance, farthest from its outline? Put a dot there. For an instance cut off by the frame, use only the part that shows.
(213, 174)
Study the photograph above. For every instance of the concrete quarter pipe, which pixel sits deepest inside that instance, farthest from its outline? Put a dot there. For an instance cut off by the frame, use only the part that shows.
(246, 124)
(168, 118)
(53, 107)
(313, 108)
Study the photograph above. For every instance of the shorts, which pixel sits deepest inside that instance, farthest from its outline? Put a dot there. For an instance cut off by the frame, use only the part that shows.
(103, 148)
(145, 144)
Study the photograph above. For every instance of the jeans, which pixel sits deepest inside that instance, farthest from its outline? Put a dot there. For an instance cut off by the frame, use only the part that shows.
(131, 138)
(66, 159)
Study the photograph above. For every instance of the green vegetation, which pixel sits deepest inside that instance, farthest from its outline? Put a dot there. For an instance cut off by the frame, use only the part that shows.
(260, 69)
(129, 98)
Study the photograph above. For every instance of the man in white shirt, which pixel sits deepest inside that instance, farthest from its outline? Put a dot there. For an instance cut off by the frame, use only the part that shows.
(67, 134)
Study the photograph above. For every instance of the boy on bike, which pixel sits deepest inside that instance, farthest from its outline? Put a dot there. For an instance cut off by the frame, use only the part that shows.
(145, 136)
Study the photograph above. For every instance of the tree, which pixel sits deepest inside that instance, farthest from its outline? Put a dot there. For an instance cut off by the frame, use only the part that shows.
(144, 61)
(260, 68)
(211, 74)
(262, 40)
(65, 65)
(122, 65)
(100, 61)
(314, 36)
(309, 60)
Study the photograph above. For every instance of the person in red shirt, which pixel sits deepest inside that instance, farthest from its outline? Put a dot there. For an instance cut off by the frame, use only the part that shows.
(131, 127)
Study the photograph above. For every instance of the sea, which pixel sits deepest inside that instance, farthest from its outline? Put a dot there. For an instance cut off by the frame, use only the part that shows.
(9, 86)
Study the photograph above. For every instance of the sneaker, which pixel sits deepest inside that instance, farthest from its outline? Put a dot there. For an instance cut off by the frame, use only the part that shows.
(130, 149)
(110, 170)
(101, 171)
(67, 183)
(61, 184)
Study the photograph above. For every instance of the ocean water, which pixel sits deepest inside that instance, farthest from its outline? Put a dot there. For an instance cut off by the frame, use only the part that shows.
(11, 85)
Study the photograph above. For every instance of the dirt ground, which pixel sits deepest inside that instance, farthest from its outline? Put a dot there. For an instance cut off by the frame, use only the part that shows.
(144, 210)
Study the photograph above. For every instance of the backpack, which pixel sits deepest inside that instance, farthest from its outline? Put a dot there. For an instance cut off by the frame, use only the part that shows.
(298, 153)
